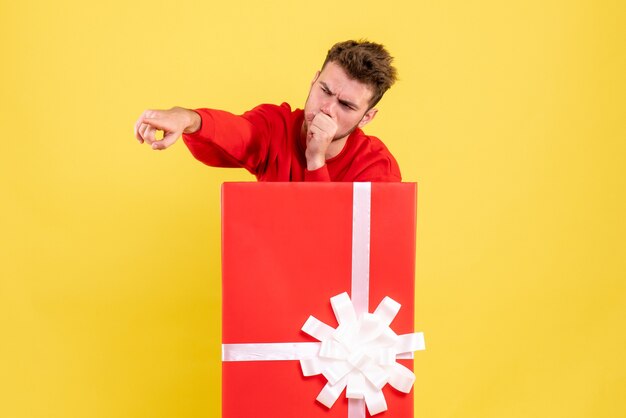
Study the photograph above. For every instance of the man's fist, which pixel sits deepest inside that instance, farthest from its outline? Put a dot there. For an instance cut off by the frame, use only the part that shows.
(320, 133)
(173, 122)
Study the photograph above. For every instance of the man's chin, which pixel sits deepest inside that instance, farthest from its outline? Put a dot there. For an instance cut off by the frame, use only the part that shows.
(343, 135)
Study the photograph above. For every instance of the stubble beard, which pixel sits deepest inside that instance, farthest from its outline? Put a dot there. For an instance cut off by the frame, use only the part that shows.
(348, 133)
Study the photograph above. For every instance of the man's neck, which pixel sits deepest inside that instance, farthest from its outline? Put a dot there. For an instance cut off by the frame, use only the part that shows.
(336, 147)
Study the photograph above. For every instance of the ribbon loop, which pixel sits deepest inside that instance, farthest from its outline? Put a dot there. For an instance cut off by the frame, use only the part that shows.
(375, 400)
(376, 375)
(330, 393)
(401, 378)
(387, 310)
(311, 366)
(343, 309)
(317, 329)
(336, 372)
(410, 342)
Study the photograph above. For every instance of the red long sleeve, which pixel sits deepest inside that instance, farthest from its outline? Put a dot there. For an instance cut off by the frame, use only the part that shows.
(267, 142)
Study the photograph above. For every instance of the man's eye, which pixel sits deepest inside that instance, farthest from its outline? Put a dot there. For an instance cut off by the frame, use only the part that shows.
(325, 90)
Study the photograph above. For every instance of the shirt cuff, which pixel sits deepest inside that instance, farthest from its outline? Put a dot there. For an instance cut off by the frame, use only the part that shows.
(321, 174)
(207, 127)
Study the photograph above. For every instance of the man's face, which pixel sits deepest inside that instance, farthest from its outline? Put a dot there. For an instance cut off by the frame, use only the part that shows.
(342, 98)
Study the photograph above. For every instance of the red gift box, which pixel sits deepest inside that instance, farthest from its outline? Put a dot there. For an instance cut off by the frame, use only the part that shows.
(287, 248)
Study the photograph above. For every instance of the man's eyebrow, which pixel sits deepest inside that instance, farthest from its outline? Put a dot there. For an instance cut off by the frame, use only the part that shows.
(342, 101)
(325, 86)
(348, 103)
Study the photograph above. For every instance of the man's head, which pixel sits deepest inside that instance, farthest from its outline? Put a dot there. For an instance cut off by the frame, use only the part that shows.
(354, 77)
(367, 62)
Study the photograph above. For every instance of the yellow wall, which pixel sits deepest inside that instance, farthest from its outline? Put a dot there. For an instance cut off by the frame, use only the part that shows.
(510, 115)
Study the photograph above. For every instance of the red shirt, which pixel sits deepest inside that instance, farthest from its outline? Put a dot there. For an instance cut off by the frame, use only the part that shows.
(266, 141)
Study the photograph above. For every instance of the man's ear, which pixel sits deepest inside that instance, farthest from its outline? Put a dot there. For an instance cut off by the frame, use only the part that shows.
(317, 74)
(367, 117)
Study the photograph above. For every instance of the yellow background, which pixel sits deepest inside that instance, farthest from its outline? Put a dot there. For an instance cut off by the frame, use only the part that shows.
(509, 115)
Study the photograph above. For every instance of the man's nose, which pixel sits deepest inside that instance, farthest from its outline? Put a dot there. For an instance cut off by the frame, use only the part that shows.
(328, 108)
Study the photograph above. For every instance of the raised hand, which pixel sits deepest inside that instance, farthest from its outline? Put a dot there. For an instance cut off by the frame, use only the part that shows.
(320, 133)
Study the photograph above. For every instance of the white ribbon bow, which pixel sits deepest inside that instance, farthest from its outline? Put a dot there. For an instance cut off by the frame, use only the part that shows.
(360, 354)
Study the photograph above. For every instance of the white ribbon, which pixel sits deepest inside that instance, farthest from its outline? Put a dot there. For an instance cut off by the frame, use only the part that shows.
(360, 354)
(268, 351)
(361, 214)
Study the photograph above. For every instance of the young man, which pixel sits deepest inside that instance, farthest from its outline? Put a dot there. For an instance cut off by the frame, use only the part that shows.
(323, 142)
